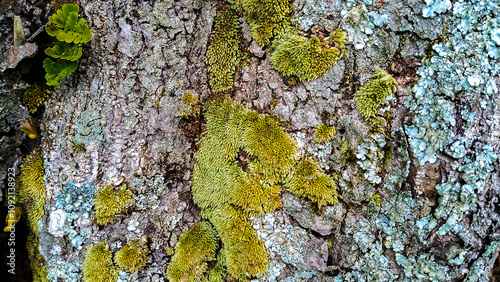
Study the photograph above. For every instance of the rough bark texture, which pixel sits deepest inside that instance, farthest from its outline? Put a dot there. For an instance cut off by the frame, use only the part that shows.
(419, 201)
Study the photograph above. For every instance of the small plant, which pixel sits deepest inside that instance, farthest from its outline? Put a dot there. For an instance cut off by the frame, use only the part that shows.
(195, 248)
(98, 264)
(307, 58)
(133, 256)
(110, 201)
(71, 34)
(56, 70)
(324, 133)
(371, 95)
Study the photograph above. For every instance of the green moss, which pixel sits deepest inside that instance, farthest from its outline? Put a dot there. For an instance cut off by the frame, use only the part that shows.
(309, 181)
(371, 95)
(223, 54)
(32, 194)
(217, 273)
(305, 58)
(324, 133)
(31, 190)
(133, 256)
(110, 201)
(38, 269)
(34, 97)
(98, 265)
(242, 158)
(267, 18)
(195, 248)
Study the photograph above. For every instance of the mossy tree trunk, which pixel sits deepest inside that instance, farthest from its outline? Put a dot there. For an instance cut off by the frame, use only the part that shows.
(120, 120)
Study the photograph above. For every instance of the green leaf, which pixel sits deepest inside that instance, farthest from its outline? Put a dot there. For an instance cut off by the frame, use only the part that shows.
(56, 70)
(65, 25)
(65, 51)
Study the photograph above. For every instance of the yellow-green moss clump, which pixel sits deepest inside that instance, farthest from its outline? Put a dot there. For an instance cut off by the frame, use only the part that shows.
(267, 18)
(133, 256)
(223, 54)
(305, 58)
(34, 97)
(243, 157)
(32, 194)
(98, 265)
(111, 201)
(324, 133)
(195, 248)
(309, 181)
(371, 95)
(31, 190)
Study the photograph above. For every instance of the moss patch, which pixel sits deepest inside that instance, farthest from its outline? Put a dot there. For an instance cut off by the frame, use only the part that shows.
(371, 95)
(98, 264)
(324, 133)
(195, 248)
(307, 58)
(223, 54)
(111, 201)
(133, 256)
(268, 18)
(309, 181)
(226, 192)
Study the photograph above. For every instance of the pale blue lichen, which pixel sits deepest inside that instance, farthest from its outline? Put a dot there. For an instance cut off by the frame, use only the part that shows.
(76, 202)
(88, 128)
(448, 76)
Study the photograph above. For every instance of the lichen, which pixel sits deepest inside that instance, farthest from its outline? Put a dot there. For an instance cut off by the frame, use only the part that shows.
(371, 95)
(111, 201)
(34, 97)
(73, 202)
(195, 248)
(133, 256)
(308, 180)
(223, 54)
(98, 264)
(307, 58)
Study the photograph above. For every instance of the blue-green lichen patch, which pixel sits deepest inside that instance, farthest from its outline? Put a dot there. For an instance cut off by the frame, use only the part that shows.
(448, 77)
(73, 203)
(88, 128)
